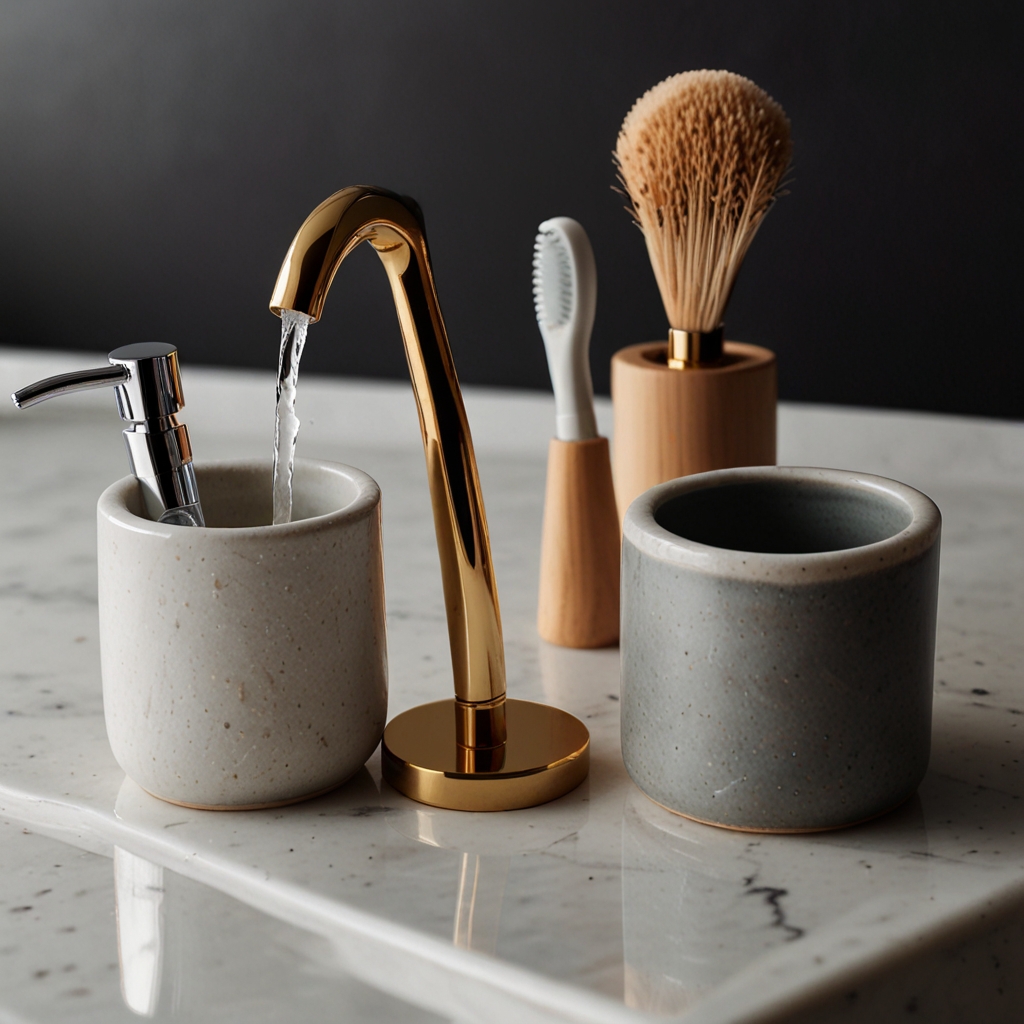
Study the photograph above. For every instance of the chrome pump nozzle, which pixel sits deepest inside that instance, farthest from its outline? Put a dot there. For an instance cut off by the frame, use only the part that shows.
(147, 387)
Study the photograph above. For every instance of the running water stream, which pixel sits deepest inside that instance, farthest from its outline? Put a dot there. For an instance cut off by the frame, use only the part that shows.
(293, 338)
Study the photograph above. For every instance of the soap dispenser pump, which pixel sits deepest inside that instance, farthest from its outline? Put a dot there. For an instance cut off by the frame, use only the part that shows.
(147, 388)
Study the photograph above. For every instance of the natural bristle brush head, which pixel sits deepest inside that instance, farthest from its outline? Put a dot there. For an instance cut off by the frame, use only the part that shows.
(701, 157)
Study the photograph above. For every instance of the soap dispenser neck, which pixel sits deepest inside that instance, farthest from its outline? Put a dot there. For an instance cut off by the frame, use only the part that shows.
(147, 388)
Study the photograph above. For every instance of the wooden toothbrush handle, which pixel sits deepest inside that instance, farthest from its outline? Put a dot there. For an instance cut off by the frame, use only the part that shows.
(579, 554)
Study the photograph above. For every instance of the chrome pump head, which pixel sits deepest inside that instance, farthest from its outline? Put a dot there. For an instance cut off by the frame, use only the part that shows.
(147, 387)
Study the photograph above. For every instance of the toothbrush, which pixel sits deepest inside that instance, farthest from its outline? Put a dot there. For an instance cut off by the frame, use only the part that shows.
(578, 604)
(565, 299)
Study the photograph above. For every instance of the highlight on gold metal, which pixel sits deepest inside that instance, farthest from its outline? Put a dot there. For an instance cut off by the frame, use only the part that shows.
(462, 757)
(393, 226)
(480, 725)
(546, 755)
(689, 349)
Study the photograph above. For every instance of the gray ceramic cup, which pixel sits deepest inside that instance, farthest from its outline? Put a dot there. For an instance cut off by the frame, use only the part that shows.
(778, 639)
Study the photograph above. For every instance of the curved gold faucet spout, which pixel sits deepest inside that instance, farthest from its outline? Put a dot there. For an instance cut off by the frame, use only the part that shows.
(393, 225)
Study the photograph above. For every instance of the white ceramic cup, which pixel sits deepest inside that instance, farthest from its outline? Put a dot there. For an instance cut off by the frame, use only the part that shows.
(244, 664)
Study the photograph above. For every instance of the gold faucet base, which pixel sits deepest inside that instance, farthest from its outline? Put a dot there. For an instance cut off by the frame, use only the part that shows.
(546, 755)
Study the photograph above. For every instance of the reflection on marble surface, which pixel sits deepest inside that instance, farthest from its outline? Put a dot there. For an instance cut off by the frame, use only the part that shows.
(478, 907)
(485, 852)
(138, 904)
(175, 950)
(701, 904)
(595, 901)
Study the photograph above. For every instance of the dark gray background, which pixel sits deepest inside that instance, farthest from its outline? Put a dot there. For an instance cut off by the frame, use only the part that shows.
(156, 159)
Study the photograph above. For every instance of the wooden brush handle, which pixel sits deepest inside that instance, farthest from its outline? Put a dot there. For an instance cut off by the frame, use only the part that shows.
(670, 423)
(579, 553)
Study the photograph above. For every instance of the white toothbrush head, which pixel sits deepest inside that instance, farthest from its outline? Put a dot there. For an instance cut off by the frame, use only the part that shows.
(565, 299)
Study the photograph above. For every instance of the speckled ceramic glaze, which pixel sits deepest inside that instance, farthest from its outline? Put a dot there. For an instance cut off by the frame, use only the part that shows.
(244, 664)
(778, 634)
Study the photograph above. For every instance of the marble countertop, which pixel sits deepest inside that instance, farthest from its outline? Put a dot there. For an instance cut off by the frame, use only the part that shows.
(599, 907)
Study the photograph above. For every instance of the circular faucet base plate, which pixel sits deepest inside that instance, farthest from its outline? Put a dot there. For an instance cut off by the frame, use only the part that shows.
(546, 755)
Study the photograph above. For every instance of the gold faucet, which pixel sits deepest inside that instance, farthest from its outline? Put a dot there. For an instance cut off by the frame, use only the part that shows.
(470, 745)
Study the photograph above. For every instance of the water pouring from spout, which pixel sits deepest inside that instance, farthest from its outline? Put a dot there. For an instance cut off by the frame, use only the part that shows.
(286, 431)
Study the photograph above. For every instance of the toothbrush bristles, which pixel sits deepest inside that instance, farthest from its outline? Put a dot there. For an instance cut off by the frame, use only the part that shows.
(552, 280)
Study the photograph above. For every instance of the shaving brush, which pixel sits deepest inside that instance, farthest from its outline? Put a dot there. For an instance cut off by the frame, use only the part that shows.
(701, 158)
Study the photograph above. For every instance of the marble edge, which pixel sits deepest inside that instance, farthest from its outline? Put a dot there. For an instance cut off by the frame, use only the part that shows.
(887, 931)
(493, 988)
(877, 938)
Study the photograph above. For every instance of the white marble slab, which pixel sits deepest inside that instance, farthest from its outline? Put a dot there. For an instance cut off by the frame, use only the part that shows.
(598, 907)
(64, 957)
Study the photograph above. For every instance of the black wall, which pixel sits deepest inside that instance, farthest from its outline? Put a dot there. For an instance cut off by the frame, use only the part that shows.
(157, 157)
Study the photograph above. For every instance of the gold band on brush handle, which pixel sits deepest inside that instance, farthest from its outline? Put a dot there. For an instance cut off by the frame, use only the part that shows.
(687, 349)
(393, 225)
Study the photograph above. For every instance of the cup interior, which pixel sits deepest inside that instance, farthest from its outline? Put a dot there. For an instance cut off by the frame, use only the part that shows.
(241, 494)
(784, 516)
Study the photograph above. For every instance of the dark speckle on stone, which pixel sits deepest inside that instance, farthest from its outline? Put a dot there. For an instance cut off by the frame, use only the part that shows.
(980, 692)
(366, 812)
